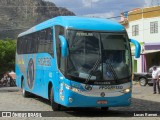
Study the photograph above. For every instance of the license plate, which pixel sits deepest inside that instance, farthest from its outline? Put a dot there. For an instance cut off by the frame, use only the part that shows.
(101, 102)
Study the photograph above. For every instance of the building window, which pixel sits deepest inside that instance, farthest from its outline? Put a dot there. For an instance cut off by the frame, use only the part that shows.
(135, 30)
(154, 27)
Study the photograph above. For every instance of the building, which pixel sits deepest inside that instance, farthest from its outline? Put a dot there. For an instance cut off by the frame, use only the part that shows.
(143, 24)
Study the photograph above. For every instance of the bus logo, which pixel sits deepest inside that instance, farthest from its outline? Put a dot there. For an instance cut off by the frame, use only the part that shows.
(88, 87)
(30, 73)
(102, 94)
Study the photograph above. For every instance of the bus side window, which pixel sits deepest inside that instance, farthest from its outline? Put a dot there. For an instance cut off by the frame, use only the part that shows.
(18, 45)
(41, 41)
(28, 46)
(25, 45)
(35, 42)
(49, 39)
(32, 44)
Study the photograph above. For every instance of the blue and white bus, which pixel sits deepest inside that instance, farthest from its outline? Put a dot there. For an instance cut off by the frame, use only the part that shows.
(76, 62)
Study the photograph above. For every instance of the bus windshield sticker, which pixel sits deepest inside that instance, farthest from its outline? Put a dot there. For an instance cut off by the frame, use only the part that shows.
(84, 34)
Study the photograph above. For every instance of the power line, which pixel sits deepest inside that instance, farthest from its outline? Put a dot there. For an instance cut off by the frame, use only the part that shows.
(134, 13)
(76, 8)
(107, 18)
(30, 27)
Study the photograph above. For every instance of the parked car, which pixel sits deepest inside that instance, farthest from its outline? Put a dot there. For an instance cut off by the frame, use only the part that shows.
(144, 78)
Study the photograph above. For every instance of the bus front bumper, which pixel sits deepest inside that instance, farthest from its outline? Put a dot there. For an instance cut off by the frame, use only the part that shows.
(73, 99)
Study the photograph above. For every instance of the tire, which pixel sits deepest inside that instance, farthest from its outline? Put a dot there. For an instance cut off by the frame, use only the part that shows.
(24, 92)
(143, 81)
(104, 108)
(54, 105)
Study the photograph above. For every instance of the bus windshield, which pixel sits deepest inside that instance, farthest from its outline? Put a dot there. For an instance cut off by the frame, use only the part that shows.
(98, 55)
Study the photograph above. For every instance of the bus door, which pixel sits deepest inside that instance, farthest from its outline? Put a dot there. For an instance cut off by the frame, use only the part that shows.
(59, 30)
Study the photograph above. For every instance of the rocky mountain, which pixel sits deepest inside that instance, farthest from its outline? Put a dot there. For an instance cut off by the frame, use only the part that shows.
(17, 16)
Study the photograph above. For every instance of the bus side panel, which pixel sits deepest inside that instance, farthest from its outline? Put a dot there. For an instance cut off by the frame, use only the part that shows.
(18, 76)
(20, 70)
(45, 73)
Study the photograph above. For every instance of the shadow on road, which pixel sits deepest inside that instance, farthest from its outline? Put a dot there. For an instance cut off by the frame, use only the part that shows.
(137, 106)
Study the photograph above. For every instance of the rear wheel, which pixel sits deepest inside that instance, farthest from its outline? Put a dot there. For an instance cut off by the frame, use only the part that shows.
(54, 105)
(24, 92)
(143, 81)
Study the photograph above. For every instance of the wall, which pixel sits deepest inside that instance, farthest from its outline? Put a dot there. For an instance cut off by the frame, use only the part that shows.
(143, 17)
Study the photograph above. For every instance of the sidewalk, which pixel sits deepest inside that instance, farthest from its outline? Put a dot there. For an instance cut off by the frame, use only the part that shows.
(9, 89)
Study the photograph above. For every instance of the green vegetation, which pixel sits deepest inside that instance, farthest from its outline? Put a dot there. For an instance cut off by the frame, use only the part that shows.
(7, 55)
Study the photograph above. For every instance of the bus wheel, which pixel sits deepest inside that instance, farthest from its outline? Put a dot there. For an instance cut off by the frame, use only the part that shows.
(24, 92)
(54, 105)
(104, 108)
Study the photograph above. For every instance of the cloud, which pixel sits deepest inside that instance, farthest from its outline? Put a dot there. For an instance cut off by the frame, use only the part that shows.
(100, 8)
(151, 3)
(88, 3)
(147, 3)
(101, 15)
(70, 4)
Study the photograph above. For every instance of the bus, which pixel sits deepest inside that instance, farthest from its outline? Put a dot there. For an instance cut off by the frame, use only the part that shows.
(76, 62)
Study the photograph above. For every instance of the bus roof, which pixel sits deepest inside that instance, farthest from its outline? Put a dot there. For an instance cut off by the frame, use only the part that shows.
(80, 23)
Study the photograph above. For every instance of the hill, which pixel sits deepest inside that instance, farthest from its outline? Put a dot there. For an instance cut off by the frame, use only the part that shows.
(17, 16)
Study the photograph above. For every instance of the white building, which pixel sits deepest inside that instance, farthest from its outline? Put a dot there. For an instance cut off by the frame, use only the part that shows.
(143, 24)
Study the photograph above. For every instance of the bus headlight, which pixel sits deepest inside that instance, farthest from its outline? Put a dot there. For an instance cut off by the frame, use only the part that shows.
(72, 89)
(126, 90)
(67, 87)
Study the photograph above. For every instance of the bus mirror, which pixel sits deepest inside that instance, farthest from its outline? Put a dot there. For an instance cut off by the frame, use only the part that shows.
(64, 46)
(137, 47)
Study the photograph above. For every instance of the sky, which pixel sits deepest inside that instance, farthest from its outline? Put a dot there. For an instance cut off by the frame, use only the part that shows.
(103, 8)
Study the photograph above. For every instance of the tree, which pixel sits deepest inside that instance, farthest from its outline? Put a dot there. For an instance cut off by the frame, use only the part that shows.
(7, 55)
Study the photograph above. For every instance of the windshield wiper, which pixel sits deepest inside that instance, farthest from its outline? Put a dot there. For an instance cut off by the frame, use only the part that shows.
(112, 71)
(92, 70)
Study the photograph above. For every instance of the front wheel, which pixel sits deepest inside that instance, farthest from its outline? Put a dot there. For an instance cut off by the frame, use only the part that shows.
(143, 81)
(54, 105)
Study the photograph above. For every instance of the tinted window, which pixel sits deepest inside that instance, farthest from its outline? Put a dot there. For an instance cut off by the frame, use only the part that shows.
(59, 30)
(38, 42)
